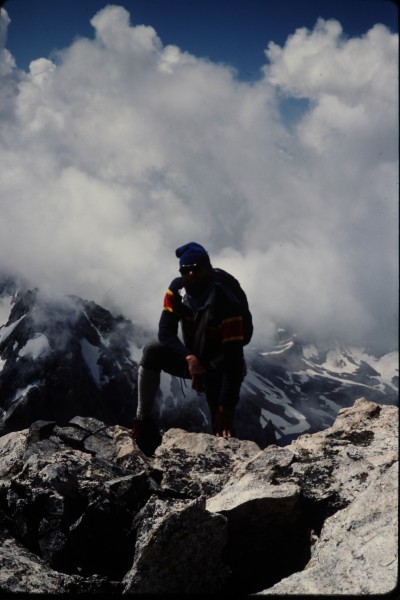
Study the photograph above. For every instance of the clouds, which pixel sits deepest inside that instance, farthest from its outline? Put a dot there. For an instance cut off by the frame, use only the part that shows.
(352, 83)
(126, 148)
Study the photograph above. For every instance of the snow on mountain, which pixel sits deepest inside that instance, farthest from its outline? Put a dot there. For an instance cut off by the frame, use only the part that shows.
(68, 356)
(301, 387)
(36, 347)
(60, 358)
(5, 308)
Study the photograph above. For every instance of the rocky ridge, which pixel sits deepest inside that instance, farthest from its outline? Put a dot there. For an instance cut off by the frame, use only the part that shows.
(83, 510)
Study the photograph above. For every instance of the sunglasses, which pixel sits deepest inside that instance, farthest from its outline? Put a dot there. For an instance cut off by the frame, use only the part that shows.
(186, 269)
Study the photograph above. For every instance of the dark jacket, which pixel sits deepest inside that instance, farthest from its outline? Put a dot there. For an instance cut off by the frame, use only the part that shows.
(222, 346)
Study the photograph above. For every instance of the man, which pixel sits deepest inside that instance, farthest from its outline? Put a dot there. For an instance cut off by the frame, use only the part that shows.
(211, 353)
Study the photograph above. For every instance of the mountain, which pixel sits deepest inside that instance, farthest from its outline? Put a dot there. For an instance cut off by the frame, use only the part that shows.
(65, 356)
(62, 357)
(301, 387)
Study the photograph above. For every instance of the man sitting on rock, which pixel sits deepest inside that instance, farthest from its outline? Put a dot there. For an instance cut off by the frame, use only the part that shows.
(211, 354)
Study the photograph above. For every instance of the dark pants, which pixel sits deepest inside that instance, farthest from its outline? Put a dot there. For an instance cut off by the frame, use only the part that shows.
(158, 357)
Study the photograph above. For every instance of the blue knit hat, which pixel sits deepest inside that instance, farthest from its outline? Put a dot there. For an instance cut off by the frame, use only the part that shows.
(192, 253)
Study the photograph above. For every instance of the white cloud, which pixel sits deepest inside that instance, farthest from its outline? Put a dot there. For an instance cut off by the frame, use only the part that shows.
(7, 62)
(125, 149)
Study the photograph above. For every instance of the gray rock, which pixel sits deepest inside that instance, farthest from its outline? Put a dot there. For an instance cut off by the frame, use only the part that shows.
(73, 506)
(199, 463)
(83, 510)
(24, 572)
(356, 552)
(12, 447)
(349, 471)
(178, 549)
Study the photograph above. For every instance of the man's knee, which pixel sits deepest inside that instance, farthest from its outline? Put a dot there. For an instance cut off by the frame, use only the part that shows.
(152, 357)
(158, 357)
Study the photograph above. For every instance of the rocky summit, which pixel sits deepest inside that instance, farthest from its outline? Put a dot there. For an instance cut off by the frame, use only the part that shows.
(84, 511)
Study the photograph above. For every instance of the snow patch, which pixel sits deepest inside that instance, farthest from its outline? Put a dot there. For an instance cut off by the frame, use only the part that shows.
(104, 341)
(327, 375)
(5, 309)
(36, 347)
(282, 427)
(5, 331)
(279, 349)
(387, 366)
(337, 362)
(21, 392)
(91, 355)
(310, 351)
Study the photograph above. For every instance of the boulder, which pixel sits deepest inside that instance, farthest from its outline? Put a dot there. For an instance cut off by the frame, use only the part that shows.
(357, 550)
(179, 549)
(83, 510)
(197, 463)
(354, 476)
(24, 572)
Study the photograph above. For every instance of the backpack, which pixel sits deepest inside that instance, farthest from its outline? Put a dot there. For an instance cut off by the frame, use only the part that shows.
(231, 284)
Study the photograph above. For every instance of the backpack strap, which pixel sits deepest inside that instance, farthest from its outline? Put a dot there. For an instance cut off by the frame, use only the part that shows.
(200, 336)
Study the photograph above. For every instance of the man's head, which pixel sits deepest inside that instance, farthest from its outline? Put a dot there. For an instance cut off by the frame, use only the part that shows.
(195, 267)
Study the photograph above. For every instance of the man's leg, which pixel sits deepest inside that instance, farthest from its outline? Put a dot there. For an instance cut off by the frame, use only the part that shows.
(148, 384)
(221, 416)
(156, 358)
(213, 391)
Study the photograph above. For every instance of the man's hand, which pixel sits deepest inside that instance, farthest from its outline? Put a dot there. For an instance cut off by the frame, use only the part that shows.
(223, 422)
(197, 373)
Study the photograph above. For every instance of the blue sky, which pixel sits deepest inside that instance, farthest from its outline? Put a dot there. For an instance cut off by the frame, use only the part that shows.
(125, 132)
(232, 31)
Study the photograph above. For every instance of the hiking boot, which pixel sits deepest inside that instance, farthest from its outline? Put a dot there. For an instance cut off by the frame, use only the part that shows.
(146, 435)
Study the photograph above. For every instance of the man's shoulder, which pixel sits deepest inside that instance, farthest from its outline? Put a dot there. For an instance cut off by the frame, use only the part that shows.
(175, 285)
(224, 293)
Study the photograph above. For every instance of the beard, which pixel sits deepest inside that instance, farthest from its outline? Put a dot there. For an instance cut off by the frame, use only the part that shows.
(196, 286)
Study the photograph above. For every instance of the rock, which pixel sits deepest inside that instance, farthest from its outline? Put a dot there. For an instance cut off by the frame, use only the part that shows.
(356, 553)
(268, 536)
(265, 528)
(334, 466)
(179, 549)
(197, 463)
(74, 506)
(83, 510)
(349, 471)
(12, 447)
(23, 572)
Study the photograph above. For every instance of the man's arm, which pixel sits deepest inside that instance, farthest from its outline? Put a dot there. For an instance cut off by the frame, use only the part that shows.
(169, 321)
(171, 316)
(168, 335)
